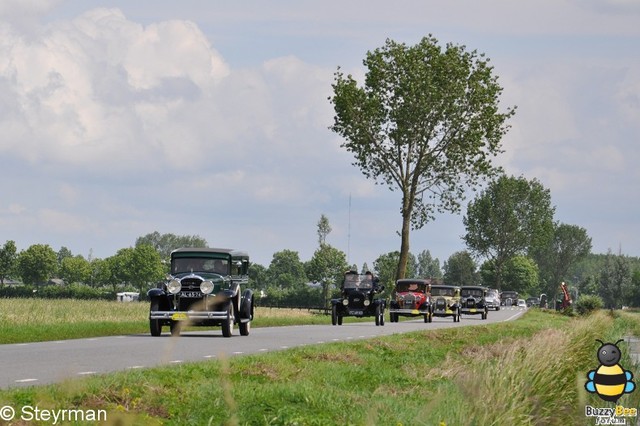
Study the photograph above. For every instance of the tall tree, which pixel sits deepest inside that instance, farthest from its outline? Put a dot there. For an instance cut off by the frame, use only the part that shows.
(286, 271)
(511, 217)
(428, 267)
(75, 269)
(385, 267)
(37, 264)
(324, 229)
(8, 260)
(569, 245)
(327, 266)
(460, 269)
(425, 122)
(615, 280)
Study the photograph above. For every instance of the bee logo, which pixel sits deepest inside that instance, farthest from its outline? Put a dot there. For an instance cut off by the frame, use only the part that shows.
(609, 380)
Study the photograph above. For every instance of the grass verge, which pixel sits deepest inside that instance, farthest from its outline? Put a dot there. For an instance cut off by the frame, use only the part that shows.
(527, 372)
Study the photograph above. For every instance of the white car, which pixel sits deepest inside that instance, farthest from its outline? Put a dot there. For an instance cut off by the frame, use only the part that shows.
(522, 303)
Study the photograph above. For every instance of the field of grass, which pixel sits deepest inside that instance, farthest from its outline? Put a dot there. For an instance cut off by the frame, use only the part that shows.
(526, 372)
(36, 320)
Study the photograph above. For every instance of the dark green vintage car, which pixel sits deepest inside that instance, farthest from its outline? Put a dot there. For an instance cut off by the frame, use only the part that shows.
(204, 288)
(473, 300)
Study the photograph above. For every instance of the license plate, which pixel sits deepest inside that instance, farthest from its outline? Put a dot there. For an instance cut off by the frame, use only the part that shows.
(473, 310)
(179, 316)
(355, 312)
(191, 294)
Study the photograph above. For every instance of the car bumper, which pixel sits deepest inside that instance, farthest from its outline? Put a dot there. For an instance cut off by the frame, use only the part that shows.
(408, 311)
(472, 311)
(190, 315)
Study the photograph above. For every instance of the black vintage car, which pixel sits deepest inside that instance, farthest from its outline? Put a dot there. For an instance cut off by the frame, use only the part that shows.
(204, 288)
(472, 300)
(357, 299)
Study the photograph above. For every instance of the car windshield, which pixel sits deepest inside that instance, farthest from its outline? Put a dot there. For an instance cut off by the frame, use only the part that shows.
(442, 291)
(358, 281)
(475, 292)
(199, 264)
(404, 287)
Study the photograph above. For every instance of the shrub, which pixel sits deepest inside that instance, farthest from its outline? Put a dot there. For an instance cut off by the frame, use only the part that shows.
(588, 303)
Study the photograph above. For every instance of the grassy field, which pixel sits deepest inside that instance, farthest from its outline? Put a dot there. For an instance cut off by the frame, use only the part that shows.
(525, 372)
(36, 320)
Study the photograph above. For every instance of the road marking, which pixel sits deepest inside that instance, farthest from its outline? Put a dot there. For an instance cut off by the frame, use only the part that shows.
(86, 373)
(238, 353)
(513, 316)
(26, 380)
(134, 367)
(209, 356)
(284, 347)
(263, 350)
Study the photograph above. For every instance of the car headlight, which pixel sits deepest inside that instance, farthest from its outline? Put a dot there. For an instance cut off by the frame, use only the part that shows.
(206, 287)
(174, 286)
(366, 302)
(345, 302)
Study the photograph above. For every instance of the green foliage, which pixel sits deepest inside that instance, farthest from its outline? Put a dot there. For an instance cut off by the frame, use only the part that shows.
(327, 267)
(75, 269)
(286, 271)
(521, 275)
(386, 265)
(427, 266)
(164, 244)
(569, 245)
(460, 269)
(8, 260)
(587, 304)
(511, 217)
(37, 264)
(615, 281)
(425, 122)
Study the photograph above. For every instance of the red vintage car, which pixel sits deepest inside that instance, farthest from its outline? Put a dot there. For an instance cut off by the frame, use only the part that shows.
(411, 298)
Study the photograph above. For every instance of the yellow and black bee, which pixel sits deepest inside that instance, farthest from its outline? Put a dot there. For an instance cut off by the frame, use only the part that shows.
(609, 380)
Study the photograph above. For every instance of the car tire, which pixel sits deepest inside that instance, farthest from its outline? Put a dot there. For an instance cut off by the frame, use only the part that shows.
(340, 319)
(227, 323)
(155, 326)
(245, 328)
(378, 315)
(334, 315)
(426, 318)
(484, 315)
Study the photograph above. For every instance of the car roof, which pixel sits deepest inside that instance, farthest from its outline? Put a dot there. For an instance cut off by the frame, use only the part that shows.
(474, 286)
(413, 280)
(195, 250)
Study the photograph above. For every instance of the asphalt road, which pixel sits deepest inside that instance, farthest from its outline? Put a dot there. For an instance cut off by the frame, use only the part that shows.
(40, 363)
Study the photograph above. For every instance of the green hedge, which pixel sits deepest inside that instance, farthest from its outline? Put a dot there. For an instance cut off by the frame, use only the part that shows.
(73, 291)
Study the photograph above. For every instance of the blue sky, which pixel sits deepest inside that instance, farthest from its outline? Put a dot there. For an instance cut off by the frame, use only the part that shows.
(211, 118)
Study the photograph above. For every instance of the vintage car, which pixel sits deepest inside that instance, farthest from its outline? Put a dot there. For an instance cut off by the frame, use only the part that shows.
(472, 300)
(410, 298)
(509, 298)
(492, 299)
(358, 299)
(532, 302)
(204, 288)
(445, 301)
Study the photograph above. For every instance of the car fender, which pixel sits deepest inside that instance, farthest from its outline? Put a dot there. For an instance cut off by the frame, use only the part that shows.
(246, 305)
(156, 292)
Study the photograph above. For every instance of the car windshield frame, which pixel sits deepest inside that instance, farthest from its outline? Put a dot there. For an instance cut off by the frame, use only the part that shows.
(356, 281)
(474, 292)
(443, 291)
(195, 264)
(411, 287)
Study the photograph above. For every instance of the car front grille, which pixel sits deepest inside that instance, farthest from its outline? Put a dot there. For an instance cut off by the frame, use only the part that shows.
(408, 301)
(357, 299)
(191, 284)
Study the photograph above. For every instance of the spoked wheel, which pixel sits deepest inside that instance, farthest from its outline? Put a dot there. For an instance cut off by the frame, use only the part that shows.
(227, 324)
(155, 326)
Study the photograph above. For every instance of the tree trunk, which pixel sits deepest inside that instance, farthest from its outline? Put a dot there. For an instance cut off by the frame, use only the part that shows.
(404, 245)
